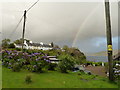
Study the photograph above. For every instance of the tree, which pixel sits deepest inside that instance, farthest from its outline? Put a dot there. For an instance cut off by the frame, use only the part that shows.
(56, 46)
(65, 47)
(11, 45)
(19, 41)
(76, 53)
(28, 41)
(5, 43)
(66, 64)
(52, 44)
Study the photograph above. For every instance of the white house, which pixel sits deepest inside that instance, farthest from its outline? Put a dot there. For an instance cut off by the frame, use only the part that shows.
(31, 45)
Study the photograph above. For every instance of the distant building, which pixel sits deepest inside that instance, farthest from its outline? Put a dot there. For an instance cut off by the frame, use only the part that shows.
(31, 45)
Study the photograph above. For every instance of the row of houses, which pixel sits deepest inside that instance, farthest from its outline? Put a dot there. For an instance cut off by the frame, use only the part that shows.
(31, 45)
(39, 46)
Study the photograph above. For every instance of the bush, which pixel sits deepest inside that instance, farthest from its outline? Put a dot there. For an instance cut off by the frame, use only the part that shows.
(37, 66)
(18, 49)
(28, 79)
(52, 66)
(88, 63)
(15, 60)
(29, 51)
(11, 45)
(67, 63)
(16, 67)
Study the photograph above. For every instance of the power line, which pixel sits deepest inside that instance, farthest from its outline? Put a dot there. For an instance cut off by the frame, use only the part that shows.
(21, 19)
(32, 5)
(25, 22)
(16, 27)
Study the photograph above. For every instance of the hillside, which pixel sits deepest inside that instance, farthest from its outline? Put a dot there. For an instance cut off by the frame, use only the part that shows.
(103, 53)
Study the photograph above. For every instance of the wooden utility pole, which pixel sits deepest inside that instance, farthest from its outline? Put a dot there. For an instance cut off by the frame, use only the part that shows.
(23, 29)
(109, 40)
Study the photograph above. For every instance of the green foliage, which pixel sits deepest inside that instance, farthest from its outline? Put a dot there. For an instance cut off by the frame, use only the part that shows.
(28, 79)
(16, 60)
(76, 53)
(38, 66)
(18, 49)
(29, 51)
(67, 63)
(65, 47)
(16, 67)
(56, 47)
(97, 63)
(93, 63)
(81, 59)
(53, 79)
(36, 60)
(5, 43)
(19, 41)
(52, 66)
(11, 45)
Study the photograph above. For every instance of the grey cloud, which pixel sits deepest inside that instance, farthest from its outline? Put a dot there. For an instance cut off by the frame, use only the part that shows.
(60, 23)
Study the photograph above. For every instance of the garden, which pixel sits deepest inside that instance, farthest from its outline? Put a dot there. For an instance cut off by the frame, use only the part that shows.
(34, 61)
(33, 69)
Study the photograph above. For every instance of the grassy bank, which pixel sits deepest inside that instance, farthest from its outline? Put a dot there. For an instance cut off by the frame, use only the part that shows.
(53, 79)
(0, 75)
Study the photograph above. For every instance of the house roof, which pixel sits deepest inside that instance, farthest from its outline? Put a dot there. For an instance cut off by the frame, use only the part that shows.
(35, 44)
(20, 44)
(38, 44)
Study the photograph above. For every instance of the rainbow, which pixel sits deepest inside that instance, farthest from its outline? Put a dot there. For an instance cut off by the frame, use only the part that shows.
(83, 25)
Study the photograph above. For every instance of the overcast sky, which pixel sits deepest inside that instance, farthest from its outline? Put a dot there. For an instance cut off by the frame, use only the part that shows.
(78, 24)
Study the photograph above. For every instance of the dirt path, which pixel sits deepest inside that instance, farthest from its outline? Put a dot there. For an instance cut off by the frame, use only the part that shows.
(98, 70)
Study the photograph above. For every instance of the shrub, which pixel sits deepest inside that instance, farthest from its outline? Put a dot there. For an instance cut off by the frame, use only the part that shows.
(88, 63)
(31, 61)
(37, 66)
(11, 45)
(18, 49)
(24, 50)
(29, 51)
(51, 66)
(97, 63)
(28, 79)
(16, 67)
(67, 63)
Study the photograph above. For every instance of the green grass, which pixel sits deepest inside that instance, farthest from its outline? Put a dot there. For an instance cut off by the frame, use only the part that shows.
(53, 79)
(0, 75)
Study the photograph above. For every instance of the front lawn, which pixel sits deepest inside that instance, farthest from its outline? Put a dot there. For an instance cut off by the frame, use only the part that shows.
(53, 79)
